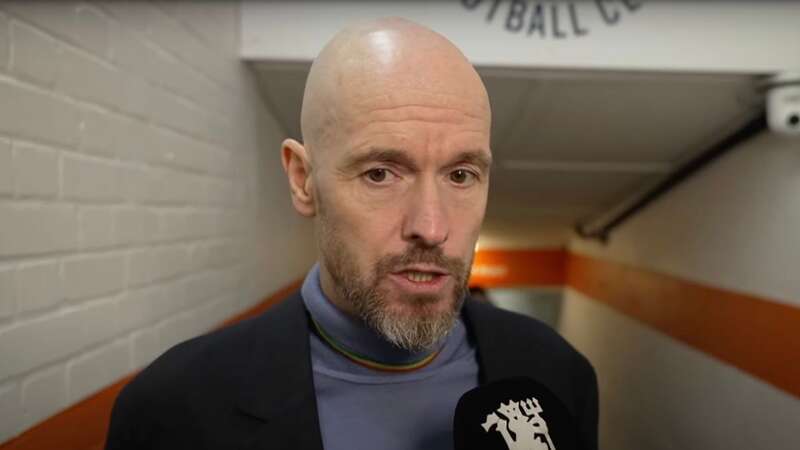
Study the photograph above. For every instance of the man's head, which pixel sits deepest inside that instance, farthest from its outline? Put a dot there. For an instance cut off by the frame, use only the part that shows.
(395, 169)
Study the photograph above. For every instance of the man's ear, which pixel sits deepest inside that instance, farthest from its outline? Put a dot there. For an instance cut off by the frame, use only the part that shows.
(298, 169)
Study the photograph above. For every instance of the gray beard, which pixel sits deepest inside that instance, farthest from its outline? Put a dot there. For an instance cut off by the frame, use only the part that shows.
(420, 330)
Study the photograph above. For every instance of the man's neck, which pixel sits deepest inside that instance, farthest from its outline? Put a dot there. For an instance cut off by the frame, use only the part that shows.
(332, 294)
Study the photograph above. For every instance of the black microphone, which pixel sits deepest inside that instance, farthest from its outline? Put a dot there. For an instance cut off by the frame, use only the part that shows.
(514, 414)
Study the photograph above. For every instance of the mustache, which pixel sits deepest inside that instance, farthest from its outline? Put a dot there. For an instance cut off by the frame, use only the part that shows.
(419, 255)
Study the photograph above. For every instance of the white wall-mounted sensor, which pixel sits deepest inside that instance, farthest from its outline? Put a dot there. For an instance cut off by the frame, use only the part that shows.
(783, 104)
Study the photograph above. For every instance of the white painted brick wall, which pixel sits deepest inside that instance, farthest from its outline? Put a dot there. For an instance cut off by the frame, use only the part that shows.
(8, 293)
(10, 401)
(31, 344)
(6, 168)
(144, 347)
(89, 179)
(93, 276)
(38, 285)
(97, 369)
(100, 320)
(34, 55)
(34, 229)
(95, 227)
(142, 199)
(134, 226)
(100, 132)
(84, 77)
(35, 171)
(44, 393)
(29, 113)
(91, 30)
(4, 42)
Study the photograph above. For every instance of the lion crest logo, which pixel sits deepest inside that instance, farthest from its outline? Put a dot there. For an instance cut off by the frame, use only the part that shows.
(521, 425)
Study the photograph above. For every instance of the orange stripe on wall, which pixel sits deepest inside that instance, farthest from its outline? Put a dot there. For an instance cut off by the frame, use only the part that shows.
(757, 335)
(84, 425)
(509, 268)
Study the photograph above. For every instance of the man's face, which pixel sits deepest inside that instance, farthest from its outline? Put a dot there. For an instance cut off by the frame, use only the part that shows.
(401, 195)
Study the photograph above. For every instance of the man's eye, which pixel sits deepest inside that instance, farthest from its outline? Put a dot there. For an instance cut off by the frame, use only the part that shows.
(378, 175)
(462, 177)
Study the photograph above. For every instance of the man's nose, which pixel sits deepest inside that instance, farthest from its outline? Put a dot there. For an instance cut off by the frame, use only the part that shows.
(426, 222)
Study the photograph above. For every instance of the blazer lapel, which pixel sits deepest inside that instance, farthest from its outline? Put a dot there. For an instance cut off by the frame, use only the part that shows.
(277, 388)
(500, 353)
(509, 345)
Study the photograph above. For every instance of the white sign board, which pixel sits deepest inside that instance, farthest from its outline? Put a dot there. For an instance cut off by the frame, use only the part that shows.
(747, 37)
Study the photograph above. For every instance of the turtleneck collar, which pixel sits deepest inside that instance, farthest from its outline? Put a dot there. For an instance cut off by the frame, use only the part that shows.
(351, 333)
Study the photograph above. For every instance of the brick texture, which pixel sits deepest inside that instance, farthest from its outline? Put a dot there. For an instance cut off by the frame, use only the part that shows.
(6, 168)
(8, 293)
(35, 55)
(4, 42)
(35, 171)
(10, 406)
(43, 393)
(38, 286)
(141, 193)
(98, 369)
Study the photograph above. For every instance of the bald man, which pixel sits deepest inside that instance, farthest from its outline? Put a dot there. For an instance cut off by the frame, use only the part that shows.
(377, 348)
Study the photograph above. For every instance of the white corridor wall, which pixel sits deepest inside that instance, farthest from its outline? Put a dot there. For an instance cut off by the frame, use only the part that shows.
(733, 226)
(141, 195)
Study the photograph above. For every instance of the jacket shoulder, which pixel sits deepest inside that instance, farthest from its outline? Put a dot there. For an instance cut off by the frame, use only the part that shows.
(196, 358)
(208, 358)
(196, 377)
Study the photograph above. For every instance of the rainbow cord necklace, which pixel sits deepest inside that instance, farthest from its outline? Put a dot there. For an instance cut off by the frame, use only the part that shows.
(369, 363)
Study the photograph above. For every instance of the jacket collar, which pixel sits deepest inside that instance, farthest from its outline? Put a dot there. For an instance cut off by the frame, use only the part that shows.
(277, 388)
(491, 351)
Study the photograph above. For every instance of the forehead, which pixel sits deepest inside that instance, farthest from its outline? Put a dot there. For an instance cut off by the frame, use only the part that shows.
(411, 115)
(419, 104)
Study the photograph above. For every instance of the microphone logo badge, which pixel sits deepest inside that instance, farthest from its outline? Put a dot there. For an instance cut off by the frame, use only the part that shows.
(520, 425)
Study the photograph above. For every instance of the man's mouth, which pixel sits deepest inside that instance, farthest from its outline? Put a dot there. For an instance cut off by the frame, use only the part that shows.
(419, 277)
(422, 275)
(420, 280)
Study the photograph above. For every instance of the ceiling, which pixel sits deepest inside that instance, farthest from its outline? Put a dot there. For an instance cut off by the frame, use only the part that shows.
(571, 145)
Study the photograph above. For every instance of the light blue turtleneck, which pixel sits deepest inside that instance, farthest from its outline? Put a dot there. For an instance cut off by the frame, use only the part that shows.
(362, 408)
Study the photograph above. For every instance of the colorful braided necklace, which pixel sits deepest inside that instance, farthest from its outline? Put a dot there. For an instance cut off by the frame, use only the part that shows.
(369, 363)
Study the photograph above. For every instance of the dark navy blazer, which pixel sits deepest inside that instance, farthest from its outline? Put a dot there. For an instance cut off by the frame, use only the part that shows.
(250, 386)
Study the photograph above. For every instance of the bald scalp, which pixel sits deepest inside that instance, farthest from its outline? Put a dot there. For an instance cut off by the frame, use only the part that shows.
(389, 57)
